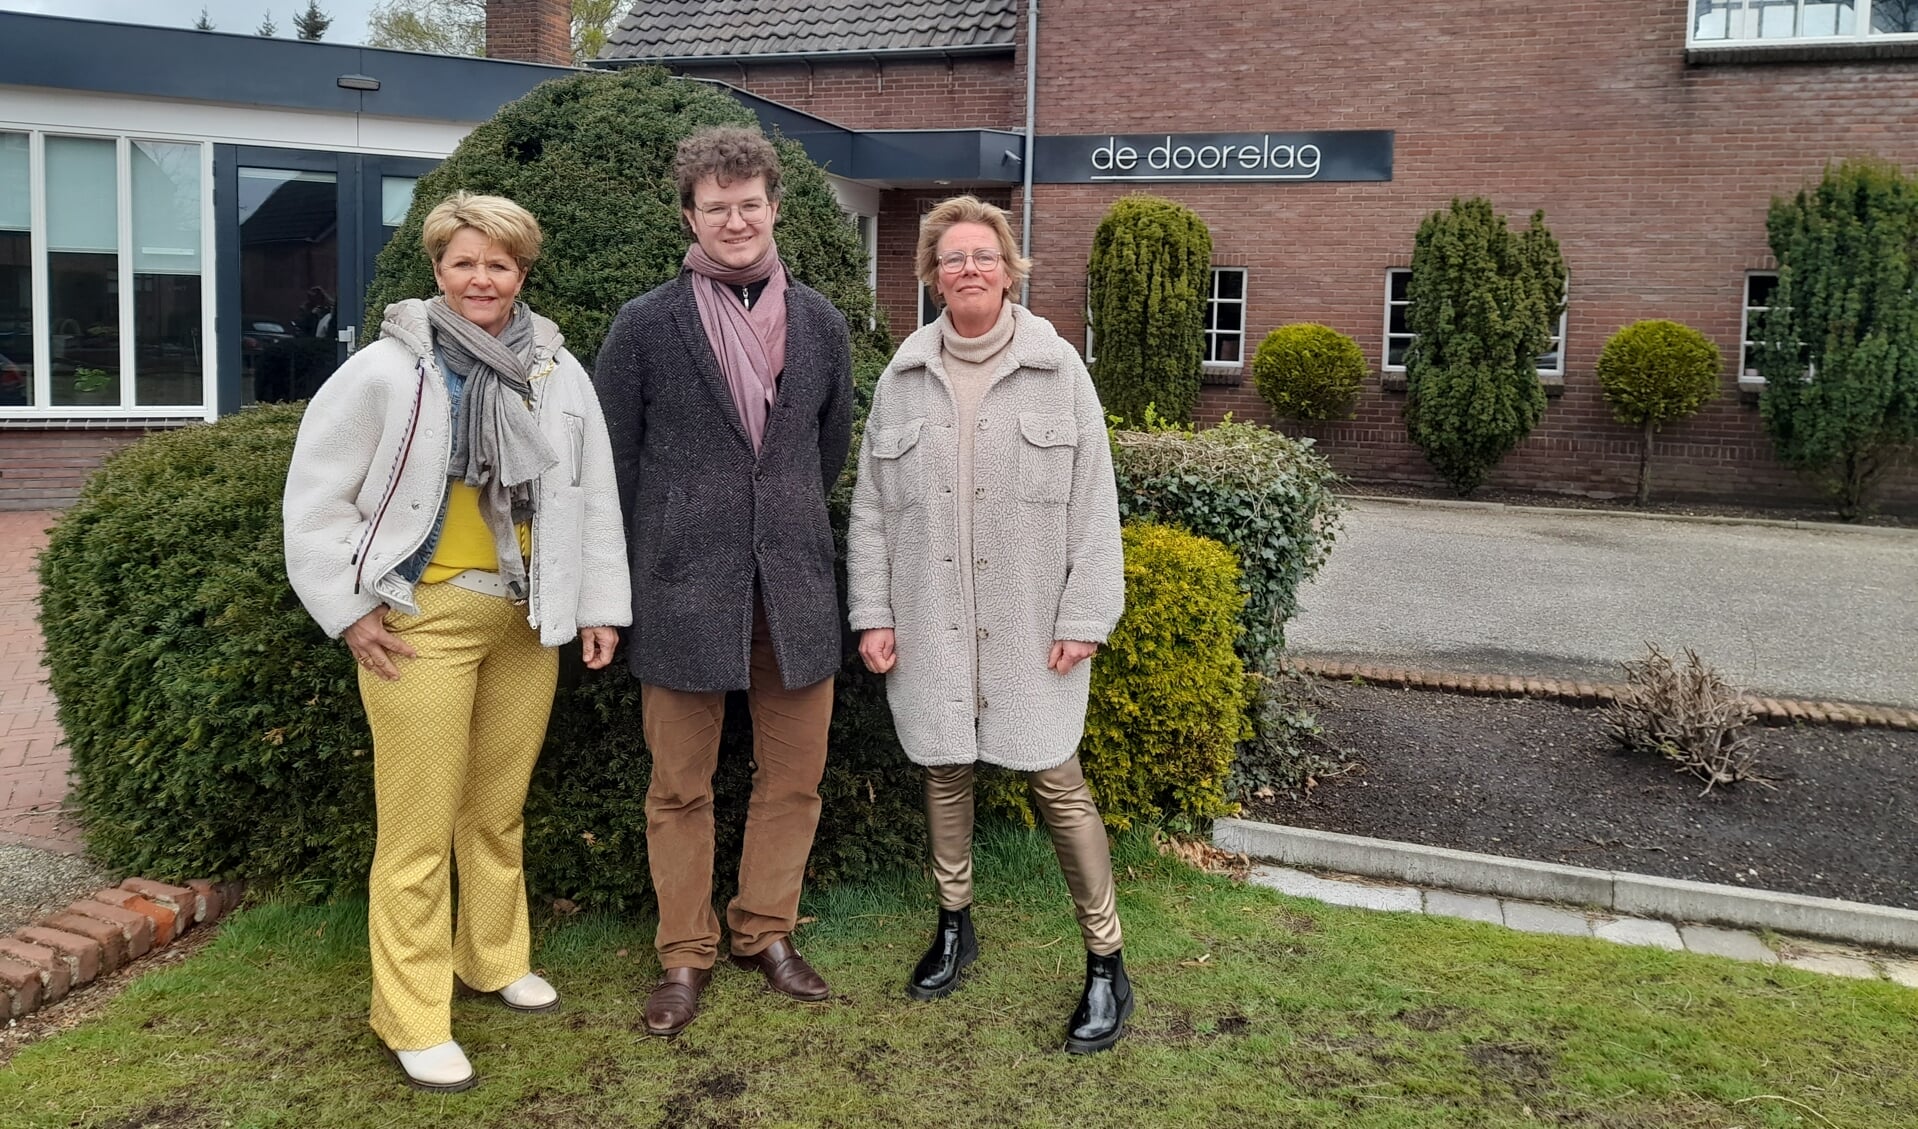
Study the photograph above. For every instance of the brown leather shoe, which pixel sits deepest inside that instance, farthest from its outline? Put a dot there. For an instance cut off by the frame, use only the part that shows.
(675, 1000)
(786, 971)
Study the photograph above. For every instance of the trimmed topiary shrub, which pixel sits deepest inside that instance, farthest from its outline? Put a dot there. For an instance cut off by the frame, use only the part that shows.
(591, 156)
(215, 730)
(1146, 289)
(1654, 373)
(1159, 747)
(1483, 302)
(1264, 495)
(1838, 347)
(1309, 371)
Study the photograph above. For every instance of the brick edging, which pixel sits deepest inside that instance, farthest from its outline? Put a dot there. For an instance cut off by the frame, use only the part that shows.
(1769, 711)
(101, 933)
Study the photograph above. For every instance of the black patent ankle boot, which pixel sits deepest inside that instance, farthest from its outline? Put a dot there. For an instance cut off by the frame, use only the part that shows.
(1100, 1018)
(953, 948)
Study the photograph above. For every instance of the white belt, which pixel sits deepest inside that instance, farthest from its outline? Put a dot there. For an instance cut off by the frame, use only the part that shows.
(477, 580)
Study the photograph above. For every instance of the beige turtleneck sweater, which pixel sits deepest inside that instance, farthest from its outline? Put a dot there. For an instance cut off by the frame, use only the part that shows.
(971, 363)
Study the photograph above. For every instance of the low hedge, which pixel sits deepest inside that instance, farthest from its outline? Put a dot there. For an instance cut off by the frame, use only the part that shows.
(1309, 371)
(1266, 496)
(216, 730)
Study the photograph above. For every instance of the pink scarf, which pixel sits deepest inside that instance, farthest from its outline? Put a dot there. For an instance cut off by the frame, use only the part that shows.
(750, 345)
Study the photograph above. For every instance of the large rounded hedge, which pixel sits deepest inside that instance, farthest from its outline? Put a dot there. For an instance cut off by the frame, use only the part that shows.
(216, 730)
(591, 156)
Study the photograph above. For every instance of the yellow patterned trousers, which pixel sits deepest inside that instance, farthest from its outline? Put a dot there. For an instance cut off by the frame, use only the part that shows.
(454, 743)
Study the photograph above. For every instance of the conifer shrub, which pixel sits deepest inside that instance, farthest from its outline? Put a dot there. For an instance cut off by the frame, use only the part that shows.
(1838, 347)
(1146, 290)
(1160, 729)
(1483, 303)
(1266, 496)
(1654, 373)
(591, 156)
(1309, 371)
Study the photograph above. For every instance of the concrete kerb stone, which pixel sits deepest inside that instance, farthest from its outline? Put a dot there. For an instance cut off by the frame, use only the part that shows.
(1888, 531)
(1856, 922)
(1462, 871)
(1623, 893)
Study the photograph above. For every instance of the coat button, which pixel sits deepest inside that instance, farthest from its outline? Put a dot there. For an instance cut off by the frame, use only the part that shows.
(982, 703)
(983, 633)
(980, 564)
(1048, 435)
(978, 491)
(982, 423)
(416, 505)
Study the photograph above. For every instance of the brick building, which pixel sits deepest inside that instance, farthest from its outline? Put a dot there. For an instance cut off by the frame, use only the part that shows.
(244, 185)
(1653, 133)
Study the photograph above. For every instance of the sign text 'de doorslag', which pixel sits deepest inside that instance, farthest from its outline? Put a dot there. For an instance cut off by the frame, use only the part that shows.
(1335, 155)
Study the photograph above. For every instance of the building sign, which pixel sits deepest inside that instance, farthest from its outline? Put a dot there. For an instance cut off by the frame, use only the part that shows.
(1337, 155)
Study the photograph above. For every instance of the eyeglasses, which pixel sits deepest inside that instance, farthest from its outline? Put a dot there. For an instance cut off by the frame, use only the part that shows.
(717, 215)
(952, 262)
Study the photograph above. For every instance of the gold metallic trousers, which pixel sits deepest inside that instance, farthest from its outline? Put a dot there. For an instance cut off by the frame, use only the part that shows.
(1063, 801)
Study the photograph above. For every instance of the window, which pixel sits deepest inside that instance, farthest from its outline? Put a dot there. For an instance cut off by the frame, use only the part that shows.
(1398, 327)
(1728, 23)
(1225, 320)
(1398, 331)
(105, 298)
(929, 307)
(1759, 287)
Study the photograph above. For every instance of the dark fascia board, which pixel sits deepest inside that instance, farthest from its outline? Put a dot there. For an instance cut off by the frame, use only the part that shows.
(1804, 51)
(210, 66)
(890, 156)
(854, 56)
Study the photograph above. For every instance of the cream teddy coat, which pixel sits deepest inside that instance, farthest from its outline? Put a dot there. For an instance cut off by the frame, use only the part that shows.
(1046, 558)
(369, 471)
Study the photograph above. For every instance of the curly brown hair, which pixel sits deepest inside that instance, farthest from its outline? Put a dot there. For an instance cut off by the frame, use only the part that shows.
(727, 153)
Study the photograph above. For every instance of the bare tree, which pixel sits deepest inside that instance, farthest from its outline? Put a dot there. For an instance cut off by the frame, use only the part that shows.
(458, 27)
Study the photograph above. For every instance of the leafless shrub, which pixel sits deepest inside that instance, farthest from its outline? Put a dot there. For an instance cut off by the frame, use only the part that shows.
(1686, 714)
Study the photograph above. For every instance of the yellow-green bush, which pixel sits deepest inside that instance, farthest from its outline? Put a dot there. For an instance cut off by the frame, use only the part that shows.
(1654, 373)
(1168, 691)
(1309, 371)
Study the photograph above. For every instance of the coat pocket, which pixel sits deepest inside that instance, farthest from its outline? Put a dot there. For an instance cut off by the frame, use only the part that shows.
(1046, 447)
(576, 445)
(899, 464)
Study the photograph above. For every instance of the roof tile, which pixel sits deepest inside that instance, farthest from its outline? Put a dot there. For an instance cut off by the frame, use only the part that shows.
(668, 29)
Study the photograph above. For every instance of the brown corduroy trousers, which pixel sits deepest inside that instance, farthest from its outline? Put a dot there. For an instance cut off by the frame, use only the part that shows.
(789, 752)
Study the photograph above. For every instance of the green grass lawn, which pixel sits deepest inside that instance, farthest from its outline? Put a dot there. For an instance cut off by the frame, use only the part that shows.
(1255, 1010)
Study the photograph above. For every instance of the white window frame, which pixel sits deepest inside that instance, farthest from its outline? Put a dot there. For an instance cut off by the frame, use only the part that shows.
(1386, 334)
(43, 407)
(1212, 335)
(866, 224)
(1742, 25)
(1747, 372)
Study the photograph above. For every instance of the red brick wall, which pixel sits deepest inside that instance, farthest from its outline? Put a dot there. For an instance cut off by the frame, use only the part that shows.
(532, 31)
(1655, 177)
(44, 470)
(963, 93)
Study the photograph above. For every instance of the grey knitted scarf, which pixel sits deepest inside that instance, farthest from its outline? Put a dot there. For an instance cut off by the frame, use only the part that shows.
(497, 445)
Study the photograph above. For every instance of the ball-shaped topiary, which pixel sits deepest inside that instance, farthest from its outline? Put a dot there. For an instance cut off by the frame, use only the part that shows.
(591, 156)
(1654, 373)
(1309, 371)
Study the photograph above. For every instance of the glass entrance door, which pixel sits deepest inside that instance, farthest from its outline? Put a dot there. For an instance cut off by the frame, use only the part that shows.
(299, 231)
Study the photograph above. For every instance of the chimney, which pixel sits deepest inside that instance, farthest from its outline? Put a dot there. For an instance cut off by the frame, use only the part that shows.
(532, 31)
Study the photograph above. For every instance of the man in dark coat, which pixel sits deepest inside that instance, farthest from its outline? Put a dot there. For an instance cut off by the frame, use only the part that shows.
(728, 397)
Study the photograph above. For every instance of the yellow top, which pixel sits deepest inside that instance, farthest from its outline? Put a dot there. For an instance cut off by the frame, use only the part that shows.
(465, 542)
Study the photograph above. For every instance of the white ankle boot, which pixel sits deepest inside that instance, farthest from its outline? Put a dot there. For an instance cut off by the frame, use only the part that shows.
(529, 993)
(442, 1069)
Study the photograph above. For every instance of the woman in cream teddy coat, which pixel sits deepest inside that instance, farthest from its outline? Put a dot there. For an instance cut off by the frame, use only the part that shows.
(984, 567)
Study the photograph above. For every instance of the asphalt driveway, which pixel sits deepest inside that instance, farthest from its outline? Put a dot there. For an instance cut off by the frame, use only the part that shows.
(1806, 610)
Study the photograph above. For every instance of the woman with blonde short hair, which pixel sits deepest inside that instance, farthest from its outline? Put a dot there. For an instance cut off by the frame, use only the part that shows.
(451, 515)
(984, 569)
